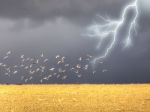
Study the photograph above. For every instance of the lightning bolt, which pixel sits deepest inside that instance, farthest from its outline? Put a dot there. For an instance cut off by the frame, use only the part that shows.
(110, 28)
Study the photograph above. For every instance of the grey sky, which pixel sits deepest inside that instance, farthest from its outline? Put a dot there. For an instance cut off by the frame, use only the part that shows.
(31, 27)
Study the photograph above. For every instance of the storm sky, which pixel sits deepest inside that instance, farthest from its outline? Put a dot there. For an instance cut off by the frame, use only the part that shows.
(52, 27)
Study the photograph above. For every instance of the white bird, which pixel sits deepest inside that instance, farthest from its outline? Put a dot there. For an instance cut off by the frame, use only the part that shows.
(63, 59)
(76, 71)
(6, 57)
(72, 68)
(31, 72)
(49, 76)
(45, 60)
(59, 62)
(26, 67)
(4, 65)
(79, 75)
(38, 69)
(8, 53)
(45, 78)
(57, 56)
(6, 73)
(31, 78)
(78, 66)
(37, 61)
(104, 70)
(22, 56)
(31, 65)
(26, 80)
(86, 67)
(52, 69)
(60, 70)
(80, 59)
(15, 72)
(23, 60)
(1, 64)
(64, 77)
(42, 67)
(42, 55)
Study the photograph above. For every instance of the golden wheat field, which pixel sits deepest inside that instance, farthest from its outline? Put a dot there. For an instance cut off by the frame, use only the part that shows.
(75, 98)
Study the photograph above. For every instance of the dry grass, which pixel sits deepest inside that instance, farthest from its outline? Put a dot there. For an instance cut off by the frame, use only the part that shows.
(75, 98)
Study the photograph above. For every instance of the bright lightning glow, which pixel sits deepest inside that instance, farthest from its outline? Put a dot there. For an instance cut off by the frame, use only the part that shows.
(110, 29)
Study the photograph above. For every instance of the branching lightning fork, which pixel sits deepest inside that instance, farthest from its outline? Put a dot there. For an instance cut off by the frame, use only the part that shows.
(110, 28)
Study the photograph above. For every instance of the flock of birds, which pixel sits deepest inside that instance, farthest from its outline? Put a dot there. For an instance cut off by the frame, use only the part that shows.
(29, 68)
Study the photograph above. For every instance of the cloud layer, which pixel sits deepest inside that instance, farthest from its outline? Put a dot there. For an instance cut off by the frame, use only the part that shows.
(56, 26)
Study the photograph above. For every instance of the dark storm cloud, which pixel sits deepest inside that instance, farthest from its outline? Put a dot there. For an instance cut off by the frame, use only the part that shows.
(81, 12)
(50, 9)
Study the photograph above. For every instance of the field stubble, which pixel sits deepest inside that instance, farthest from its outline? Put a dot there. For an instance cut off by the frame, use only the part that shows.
(75, 98)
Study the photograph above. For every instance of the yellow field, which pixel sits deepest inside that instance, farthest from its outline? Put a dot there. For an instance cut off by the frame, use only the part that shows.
(75, 98)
